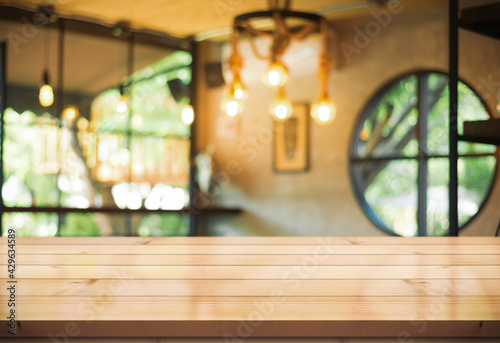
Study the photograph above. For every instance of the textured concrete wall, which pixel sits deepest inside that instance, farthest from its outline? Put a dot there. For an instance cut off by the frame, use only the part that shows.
(321, 201)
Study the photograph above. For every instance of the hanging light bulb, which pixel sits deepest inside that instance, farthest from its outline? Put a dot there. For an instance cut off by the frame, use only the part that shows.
(275, 75)
(122, 105)
(187, 115)
(237, 89)
(232, 107)
(323, 110)
(498, 101)
(234, 98)
(281, 108)
(70, 113)
(82, 124)
(136, 120)
(46, 95)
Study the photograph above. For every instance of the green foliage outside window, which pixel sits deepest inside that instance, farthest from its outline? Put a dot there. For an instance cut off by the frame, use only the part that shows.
(44, 165)
(407, 124)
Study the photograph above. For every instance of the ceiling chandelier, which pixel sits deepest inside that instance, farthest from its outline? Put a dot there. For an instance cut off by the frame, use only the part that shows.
(275, 76)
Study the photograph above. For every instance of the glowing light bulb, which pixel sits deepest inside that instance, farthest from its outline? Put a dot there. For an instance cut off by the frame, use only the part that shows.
(232, 108)
(281, 112)
(70, 113)
(237, 89)
(238, 93)
(105, 172)
(136, 120)
(46, 95)
(281, 108)
(275, 75)
(364, 134)
(498, 103)
(235, 95)
(122, 105)
(323, 111)
(82, 124)
(188, 115)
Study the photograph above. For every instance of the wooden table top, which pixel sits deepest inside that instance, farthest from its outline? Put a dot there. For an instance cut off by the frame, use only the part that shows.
(238, 287)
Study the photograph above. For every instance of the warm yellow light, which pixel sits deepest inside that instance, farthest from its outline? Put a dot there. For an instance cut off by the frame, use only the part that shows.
(82, 124)
(275, 75)
(232, 107)
(136, 120)
(498, 101)
(46, 95)
(137, 168)
(364, 134)
(70, 113)
(281, 108)
(234, 98)
(188, 115)
(323, 111)
(238, 94)
(122, 105)
(94, 125)
(105, 172)
(237, 89)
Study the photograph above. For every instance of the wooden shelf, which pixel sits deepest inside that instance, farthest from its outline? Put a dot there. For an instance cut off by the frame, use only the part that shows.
(481, 140)
(116, 210)
(484, 131)
(214, 210)
(484, 20)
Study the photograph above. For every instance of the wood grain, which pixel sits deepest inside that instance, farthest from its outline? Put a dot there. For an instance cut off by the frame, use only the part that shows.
(107, 307)
(257, 240)
(261, 288)
(256, 272)
(257, 249)
(255, 260)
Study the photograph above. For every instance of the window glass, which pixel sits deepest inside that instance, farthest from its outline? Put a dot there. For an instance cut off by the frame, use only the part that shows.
(104, 159)
(402, 137)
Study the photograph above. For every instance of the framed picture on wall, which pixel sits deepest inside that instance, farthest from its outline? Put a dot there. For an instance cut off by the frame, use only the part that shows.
(291, 141)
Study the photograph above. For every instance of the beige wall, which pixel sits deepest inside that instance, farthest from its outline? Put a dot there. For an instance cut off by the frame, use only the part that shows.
(321, 201)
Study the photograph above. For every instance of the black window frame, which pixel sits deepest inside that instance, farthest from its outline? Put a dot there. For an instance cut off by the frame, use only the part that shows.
(422, 174)
(147, 37)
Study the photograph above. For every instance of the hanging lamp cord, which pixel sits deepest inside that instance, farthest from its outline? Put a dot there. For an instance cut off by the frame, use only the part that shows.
(324, 60)
(46, 55)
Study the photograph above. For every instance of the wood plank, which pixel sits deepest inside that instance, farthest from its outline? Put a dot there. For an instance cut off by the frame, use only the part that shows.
(255, 260)
(260, 249)
(312, 288)
(255, 272)
(251, 330)
(255, 240)
(105, 307)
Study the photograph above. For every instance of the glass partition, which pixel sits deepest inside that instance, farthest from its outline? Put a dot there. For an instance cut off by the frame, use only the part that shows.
(111, 148)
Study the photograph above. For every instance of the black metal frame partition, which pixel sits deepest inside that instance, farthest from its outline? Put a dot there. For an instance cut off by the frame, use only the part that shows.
(3, 93)
(483, 20)
(453, 89)
(142, 36)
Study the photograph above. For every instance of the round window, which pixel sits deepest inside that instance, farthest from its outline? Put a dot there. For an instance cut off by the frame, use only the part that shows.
(399, 156)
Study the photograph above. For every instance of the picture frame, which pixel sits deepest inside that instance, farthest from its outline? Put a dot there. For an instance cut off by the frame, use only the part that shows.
(291, 141)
